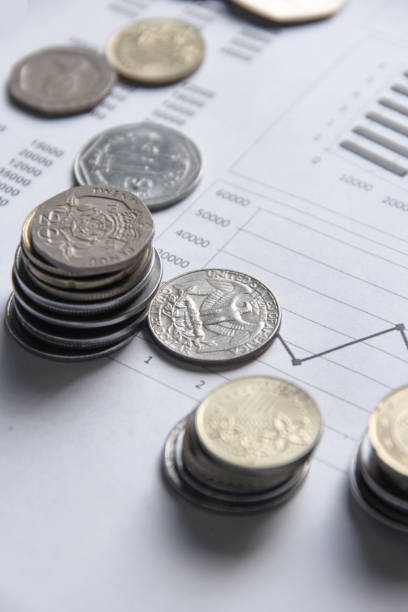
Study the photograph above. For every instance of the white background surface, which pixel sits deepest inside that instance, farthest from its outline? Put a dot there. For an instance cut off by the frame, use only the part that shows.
(85, 521)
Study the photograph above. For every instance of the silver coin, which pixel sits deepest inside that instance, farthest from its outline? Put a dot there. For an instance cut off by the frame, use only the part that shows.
(92, 230)
(158, 164)
(138, 307)
(135, 281)
(214, 317)
(199, 494)
(58, 277)
(78, 339)
(55, 353)
(377, 481)
(372, 504)
(61, 80)
(22, 281)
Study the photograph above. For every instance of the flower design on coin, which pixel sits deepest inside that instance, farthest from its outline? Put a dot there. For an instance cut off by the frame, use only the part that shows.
(287, 431)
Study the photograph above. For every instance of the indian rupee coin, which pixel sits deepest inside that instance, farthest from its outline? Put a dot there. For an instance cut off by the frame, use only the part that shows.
(291, 11)
(156, 51)
(91, 230)
(158, 164)
(214, 317)
(61, 80)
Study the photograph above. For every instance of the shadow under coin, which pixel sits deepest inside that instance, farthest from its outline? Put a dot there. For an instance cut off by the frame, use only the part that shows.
(383, 550)
(23, 373)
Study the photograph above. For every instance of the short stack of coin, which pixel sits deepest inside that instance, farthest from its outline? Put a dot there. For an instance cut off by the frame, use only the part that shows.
(379, 474)
(246, 448)
(84, 274)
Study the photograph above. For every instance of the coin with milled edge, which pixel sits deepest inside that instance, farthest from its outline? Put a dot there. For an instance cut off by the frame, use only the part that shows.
(214, 317)
(156, 51)
(55, 353)
(291, 11)
(91, 230)
(61, 80)
(158, 164)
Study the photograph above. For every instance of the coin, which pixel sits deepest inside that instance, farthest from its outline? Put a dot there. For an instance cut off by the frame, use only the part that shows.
(158, 164)
(156, 51)
(134, 281)
(291, 11)
(55, 353)
(61, 80)
(122, 314)
(258, 423)
(388, 432)
(23, 282)
(91, 230)
(246, 447)
(214, 317)
(78, 338)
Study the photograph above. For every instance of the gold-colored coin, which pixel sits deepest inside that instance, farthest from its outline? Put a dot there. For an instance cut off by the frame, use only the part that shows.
(388, 431)
(156, 51)
(258, 423)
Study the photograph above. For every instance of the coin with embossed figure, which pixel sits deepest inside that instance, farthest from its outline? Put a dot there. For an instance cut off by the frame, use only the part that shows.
(158, 164)
(61, 80)
(92, 230)
(156, 51)
(214, 316)
(291, 11)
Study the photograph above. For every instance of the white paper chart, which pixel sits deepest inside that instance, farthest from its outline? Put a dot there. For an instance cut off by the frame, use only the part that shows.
(303, 132)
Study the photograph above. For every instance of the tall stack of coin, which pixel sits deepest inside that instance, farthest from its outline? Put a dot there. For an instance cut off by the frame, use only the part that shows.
(245, 448)
(84, 274)
(379, 474)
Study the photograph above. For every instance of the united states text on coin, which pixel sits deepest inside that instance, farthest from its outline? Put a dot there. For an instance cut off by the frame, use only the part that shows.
(214, 316)
(61, 80)
(156, 51)
(158, 164)
(91, 230)
(291, 11)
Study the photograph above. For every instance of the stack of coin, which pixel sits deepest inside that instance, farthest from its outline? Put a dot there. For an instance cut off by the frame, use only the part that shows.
(379, 474)
(246, 448)
(84, 274)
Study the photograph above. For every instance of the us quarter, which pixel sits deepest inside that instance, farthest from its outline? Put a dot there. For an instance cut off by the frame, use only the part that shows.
(214, 317)
(156, 51)
(158, 164)
(292, 11)
(91, 230)
(61, 80)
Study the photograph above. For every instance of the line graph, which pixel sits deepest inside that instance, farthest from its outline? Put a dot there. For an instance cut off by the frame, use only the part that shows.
(296, 361)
